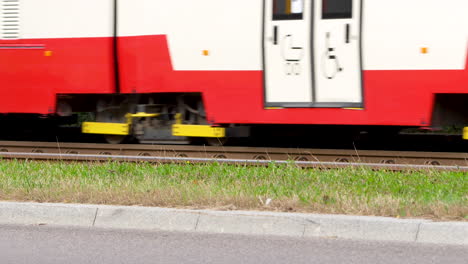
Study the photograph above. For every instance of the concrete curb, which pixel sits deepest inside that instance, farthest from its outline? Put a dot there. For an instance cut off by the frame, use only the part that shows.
(236, 222)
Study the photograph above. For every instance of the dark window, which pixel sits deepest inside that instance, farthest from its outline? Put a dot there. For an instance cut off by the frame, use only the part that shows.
(335, 9)
(288, 9)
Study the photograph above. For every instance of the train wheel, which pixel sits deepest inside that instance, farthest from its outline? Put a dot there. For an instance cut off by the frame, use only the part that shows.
(113, 139)
(113, 115)
(216, 142)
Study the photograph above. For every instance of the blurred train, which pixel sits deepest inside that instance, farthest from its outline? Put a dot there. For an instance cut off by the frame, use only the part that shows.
(171, 70)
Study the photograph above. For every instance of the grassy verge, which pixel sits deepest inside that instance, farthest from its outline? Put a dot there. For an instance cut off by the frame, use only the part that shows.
(432, 194)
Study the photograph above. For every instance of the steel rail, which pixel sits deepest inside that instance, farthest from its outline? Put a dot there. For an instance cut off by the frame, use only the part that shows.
(245, 155)
(249, 162)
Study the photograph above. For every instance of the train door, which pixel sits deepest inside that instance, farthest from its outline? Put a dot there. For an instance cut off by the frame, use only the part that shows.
(287, 54)
(312, 53)
(337, 53)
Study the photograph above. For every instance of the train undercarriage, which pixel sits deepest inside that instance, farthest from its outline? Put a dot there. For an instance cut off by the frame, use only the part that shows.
(162, 118)
(174, 118)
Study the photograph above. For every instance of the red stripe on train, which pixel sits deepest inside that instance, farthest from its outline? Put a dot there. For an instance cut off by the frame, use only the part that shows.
(391, 97)
(30, 82)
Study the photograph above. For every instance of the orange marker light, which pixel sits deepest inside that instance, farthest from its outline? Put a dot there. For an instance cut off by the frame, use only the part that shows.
(424, 50)
(48, 53)
(206, 53)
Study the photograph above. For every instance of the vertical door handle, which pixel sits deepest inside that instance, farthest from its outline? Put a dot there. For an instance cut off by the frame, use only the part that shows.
(348, 33)
(275, 35)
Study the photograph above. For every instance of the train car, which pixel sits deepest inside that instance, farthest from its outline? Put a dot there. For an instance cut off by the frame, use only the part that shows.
(162, 70)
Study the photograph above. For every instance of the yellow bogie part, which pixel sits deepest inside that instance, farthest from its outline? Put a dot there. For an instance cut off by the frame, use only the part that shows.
(465, 133)
(130, 117)
(198, 131)
(117, 129)
(201, 131)
(178, 130)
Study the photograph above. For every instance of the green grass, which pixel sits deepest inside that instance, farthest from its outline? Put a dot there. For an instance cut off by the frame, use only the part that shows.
(432, 194)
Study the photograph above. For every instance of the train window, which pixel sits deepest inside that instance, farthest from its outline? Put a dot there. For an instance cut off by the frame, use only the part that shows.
(288, 9)
(337, 9)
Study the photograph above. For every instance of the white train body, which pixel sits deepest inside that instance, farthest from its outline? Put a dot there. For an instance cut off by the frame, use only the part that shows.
(367, 62)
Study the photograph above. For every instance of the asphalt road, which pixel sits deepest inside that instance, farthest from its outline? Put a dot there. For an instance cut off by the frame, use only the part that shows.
(43, 244)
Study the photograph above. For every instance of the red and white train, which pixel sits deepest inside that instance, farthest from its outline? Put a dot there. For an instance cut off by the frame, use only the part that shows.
(170, 69)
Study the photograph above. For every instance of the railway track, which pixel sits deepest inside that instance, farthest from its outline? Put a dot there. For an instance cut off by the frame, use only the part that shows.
(322, 158)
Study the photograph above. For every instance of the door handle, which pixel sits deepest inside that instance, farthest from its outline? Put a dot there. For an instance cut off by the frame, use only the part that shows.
(275, 35)
(348, 33)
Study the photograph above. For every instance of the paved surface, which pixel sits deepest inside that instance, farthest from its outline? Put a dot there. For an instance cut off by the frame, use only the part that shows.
(236, 222)
(49, 245)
